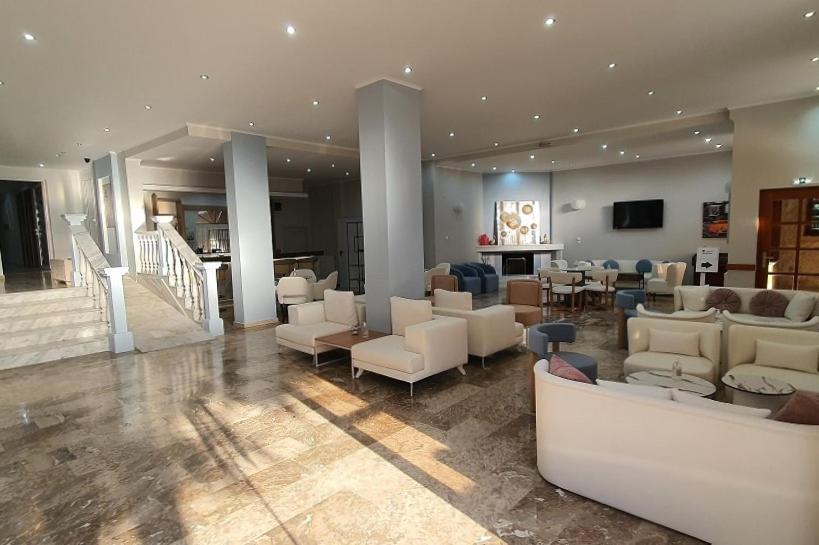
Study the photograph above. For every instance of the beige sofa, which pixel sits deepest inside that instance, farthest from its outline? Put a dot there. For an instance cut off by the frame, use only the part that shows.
(489, 330)
(421, 344)
(654, 345)
(335, 314)
(744, 360)
(722, 478)
(706, 316)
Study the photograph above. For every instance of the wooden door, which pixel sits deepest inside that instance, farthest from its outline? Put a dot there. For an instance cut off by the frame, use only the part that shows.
(788, 239)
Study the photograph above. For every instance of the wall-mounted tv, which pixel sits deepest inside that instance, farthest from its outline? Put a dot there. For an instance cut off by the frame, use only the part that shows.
(638, 214)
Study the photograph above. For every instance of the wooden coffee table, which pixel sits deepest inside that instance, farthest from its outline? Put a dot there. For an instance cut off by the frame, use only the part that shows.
(346, 341)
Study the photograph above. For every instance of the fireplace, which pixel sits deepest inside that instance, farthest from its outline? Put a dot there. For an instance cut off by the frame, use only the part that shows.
(517, 263)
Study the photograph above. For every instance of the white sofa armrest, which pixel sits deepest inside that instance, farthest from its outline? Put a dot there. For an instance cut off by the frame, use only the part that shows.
(812, 324)
(442, 342)
(307, 313)
(707, 316)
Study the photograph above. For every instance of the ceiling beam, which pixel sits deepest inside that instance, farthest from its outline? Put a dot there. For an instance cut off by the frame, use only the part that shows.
(277, 142)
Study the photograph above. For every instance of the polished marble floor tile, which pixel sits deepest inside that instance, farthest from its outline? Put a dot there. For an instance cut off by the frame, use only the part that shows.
(236, 441)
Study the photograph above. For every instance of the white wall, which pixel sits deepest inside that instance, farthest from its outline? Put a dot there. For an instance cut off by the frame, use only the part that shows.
(683, 182)
(63, 195)
(773, 145)
(522, 186)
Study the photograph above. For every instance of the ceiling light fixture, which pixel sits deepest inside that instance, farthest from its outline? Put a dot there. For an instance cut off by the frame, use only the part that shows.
(315, 102)
(28, 36)
(148, 106)
(346, 173)
(536, 117)
(622, 153)
(327, 137)
(550, 21)
(290, 29)
(42, 165)
(204, 76)
(432, 155)
(575, 130)
(451, 134)
(532, 156)
(553, 161)
(809, 14)
(679, 112)
(251, 124)
(288, 159)
(408, 69)
(637, 156)
(496, 144)
(718, 146)
(473, 164)
(2, 83)
(514, 171)
(309, 170)
(212, 159)
(332, 165)
(651, 93)
(483, 98)
(707, 139)
(697, 133)
(494, 168)
(604, 146)
(612, 65)
(107, 129)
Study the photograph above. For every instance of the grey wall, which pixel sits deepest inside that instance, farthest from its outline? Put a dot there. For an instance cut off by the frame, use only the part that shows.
(329, 204)
(535, 186)
(684, 183)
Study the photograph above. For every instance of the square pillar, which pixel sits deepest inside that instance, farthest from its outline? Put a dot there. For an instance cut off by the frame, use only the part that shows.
(251, 238)
(389, 133)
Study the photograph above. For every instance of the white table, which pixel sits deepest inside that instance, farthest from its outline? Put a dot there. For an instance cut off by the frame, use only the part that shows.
(666, 379)
(758, 391)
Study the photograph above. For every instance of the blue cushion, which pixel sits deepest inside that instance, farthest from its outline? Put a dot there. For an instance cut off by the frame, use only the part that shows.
(611, 264)
(644, 266)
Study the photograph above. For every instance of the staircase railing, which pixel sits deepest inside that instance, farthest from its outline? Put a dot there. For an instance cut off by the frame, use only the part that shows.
(102, 283)
(165, 253)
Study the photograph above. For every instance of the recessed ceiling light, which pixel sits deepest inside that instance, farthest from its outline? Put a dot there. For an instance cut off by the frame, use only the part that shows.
(251, 124)
(679, 112)
(57, 155)
(408, 69)
(550, 21)
(346, 173)
(707, 139)
(604, 146)
(575, 130)
(651, 93)
(148, 106)
(204, 76)
(637, 156)
(514, 171)
(288, 159)
(815, 59)
(697, 133)
(28, 36)
(432, 155)
(809, 14)
(473, 164)
(212, 159)
(817, 88)
(494, 168)
(451, 134)
(327, 137)
(107, 129)
(332, 165)
(309, 170)
(536, 117)
(532, 156)
(42, 165)
(718, 146)
(622, 153)
(612, 65)
(2, 83)
(315, 102)
(496, 144)
(483, 98)
(553, 161)
(290, 29)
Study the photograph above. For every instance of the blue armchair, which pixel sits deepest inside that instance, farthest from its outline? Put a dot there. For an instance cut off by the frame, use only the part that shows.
(488, 275)
(468, 279)
(625, 303)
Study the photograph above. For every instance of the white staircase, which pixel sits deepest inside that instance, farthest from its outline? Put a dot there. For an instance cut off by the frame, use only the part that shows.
(47, 325)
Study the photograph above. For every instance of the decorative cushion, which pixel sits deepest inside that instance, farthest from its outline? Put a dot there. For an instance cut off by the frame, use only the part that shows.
(769, 303)
(695, 297)
(407, 312)
(611, 264)
(801, 408)
(656, 392)
(561, 368)
(459, 300)
(674, 342)
(696, 401)
(339, 307)
(787, 356)
(724, 299)
(801, 306)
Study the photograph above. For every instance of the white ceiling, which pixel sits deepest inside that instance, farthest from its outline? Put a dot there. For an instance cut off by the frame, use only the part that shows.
(97, 63)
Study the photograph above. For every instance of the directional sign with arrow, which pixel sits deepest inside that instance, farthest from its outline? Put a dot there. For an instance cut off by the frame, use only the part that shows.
(706, 259)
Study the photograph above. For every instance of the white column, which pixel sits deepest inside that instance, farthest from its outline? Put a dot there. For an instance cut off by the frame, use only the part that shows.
(75, 220)
(162, 242)
(389, 134)
(120, 339)
(211, 322)
(251, 238)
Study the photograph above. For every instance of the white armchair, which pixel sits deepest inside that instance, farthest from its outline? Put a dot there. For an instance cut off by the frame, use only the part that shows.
(293, 290)
(654, 345)
(561, 264)
(489, 330)
(307, 274)
(329, 283)
(705, 316)
(308, 321)
(674, 274)
(419, 346)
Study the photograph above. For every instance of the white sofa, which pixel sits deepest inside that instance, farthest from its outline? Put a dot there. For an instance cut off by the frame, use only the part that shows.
(335, 314)
(706, 316)
(722, 478)
(329, 283)
(673, 277)
(744, 360)
(421, 345)
(489, 330)
(626, 266)
(657, 344)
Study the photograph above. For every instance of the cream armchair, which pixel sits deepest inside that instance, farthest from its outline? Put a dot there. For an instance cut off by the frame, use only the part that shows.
(654, 345)
(489, 330)
(329, 283)
(674, 274)
(743, 358)
(419, 346)
(335, 314)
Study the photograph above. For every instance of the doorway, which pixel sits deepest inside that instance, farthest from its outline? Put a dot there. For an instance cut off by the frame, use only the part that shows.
(351, 255)
(788, 239)
(23, 231)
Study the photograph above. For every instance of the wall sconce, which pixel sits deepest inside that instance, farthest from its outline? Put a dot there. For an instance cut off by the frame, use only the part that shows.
(578, 204)
(458, 207)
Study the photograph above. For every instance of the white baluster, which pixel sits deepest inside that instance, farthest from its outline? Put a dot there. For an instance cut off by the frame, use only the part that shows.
(121, 340)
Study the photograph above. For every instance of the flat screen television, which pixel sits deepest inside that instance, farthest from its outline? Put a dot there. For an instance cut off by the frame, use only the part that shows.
(638, 214)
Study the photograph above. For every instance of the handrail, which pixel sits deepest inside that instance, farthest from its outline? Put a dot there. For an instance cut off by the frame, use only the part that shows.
(165, 253)
(102, 282)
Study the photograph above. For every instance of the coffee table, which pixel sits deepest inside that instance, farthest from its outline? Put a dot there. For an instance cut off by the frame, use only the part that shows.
(666, 379)
(346, 340)
(758, 391)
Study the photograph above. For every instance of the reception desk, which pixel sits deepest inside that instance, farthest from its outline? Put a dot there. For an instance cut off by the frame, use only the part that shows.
(535, 255)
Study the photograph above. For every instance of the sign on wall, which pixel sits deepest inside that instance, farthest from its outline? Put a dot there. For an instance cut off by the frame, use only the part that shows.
(707, 260)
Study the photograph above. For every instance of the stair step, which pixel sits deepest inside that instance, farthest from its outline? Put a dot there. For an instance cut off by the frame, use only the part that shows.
(49, 319)
(19, 357)
(33, 338)
(40, 295)
(62, 304)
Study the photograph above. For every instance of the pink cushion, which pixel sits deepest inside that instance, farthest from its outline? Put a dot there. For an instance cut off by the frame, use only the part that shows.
(563, 369)
(723, 299)
(801, 408)
(769, 303)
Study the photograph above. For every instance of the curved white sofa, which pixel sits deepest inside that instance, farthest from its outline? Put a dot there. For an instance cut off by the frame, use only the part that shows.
(706, 316)
(722, 478)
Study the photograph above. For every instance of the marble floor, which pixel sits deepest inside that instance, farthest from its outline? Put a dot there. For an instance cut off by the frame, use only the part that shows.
(235, 441)
(20, 279)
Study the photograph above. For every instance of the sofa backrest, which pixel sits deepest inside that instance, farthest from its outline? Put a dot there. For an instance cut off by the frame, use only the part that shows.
(625, 266)
(460, 300)
(742, 341)
(745, 296)
(339, 307)
(709, 339)
(407, 312)
(524, 292)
